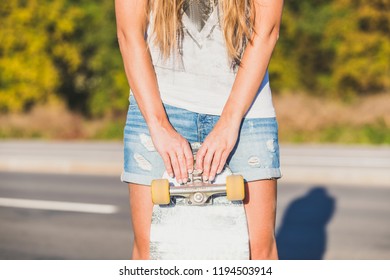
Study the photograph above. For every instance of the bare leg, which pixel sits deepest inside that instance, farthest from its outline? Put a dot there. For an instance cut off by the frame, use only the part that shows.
(260, 207)
(141, 208)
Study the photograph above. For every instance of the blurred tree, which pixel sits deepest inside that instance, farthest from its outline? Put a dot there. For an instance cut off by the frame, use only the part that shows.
(68, 49)
(338, 48)
(98, 86)
(31, 34)
(301, 62)
(64, 48)
(359, 37)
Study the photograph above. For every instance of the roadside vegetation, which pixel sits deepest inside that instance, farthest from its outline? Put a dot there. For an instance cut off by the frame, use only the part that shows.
(308, 119)
(61, 74)
(302, 119)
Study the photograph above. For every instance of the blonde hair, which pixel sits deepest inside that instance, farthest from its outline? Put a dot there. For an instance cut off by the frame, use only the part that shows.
(236, 19)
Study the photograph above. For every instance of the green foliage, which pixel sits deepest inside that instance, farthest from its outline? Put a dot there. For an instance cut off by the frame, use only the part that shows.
(361, 45)
(300, 58)
(340, 48)
(67, 49)
(64, 49)
(375, 133)
(98, 86)
(32, 34)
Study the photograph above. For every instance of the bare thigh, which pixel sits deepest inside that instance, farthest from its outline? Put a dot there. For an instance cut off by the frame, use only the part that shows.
(141, 208)
(260, 207)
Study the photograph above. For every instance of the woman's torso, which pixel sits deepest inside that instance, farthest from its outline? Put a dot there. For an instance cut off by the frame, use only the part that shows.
(199, 77)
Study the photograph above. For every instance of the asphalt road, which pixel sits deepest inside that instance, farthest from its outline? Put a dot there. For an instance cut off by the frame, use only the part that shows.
(314, 164)
(46, 234)
(315, 221)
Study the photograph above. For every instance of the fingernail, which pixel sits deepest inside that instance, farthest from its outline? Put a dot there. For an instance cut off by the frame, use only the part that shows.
(205, 179)
(170, 175)
(180, 181)
(211, 179)
(199, 170)
(190, 171)
(185, 181)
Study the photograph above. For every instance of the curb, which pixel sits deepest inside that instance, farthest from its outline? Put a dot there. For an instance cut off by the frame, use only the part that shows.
(301, 164)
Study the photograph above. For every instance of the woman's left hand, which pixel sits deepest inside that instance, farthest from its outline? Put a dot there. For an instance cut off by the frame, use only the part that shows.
(216, 148)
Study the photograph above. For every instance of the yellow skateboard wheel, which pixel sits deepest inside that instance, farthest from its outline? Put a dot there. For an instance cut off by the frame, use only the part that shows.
(235, 189)
(160, 191)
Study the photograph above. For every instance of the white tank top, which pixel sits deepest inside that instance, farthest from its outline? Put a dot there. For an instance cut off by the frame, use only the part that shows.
(200, 78)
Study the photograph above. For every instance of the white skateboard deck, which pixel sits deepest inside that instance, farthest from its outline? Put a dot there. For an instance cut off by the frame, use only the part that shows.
(212, 231)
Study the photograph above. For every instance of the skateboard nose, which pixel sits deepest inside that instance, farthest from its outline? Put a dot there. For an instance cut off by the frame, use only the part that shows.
(195, 146)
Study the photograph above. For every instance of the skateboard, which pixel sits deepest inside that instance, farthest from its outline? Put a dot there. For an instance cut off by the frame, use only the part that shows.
(199, 220)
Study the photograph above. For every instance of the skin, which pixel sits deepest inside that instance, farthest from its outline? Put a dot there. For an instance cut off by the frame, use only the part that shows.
(260, 204)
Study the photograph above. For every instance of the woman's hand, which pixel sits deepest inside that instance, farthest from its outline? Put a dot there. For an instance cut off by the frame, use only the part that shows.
(131, 27)
(216, 148)
(174, 150)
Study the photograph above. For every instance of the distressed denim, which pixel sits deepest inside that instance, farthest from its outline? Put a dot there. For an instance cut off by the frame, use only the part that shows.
(255, 156)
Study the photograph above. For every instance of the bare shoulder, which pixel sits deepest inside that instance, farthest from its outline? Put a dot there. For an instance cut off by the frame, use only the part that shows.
(131, 13)
(268, 14)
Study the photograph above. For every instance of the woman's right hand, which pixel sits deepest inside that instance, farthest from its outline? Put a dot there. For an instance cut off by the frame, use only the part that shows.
(131, 27)
(174, 150)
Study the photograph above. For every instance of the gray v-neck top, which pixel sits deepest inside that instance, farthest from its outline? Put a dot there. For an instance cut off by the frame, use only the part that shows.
(199, 77)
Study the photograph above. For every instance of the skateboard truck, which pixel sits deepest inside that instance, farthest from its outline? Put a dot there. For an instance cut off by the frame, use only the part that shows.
(196, 192)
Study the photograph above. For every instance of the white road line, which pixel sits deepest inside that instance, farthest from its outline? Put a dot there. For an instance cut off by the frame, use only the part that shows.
(58, 206)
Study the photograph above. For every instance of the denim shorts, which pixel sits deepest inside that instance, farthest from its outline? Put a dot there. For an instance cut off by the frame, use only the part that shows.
(255, 156)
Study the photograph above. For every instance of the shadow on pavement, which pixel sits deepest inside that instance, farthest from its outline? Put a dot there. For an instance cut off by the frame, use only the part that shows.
(302, 234)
